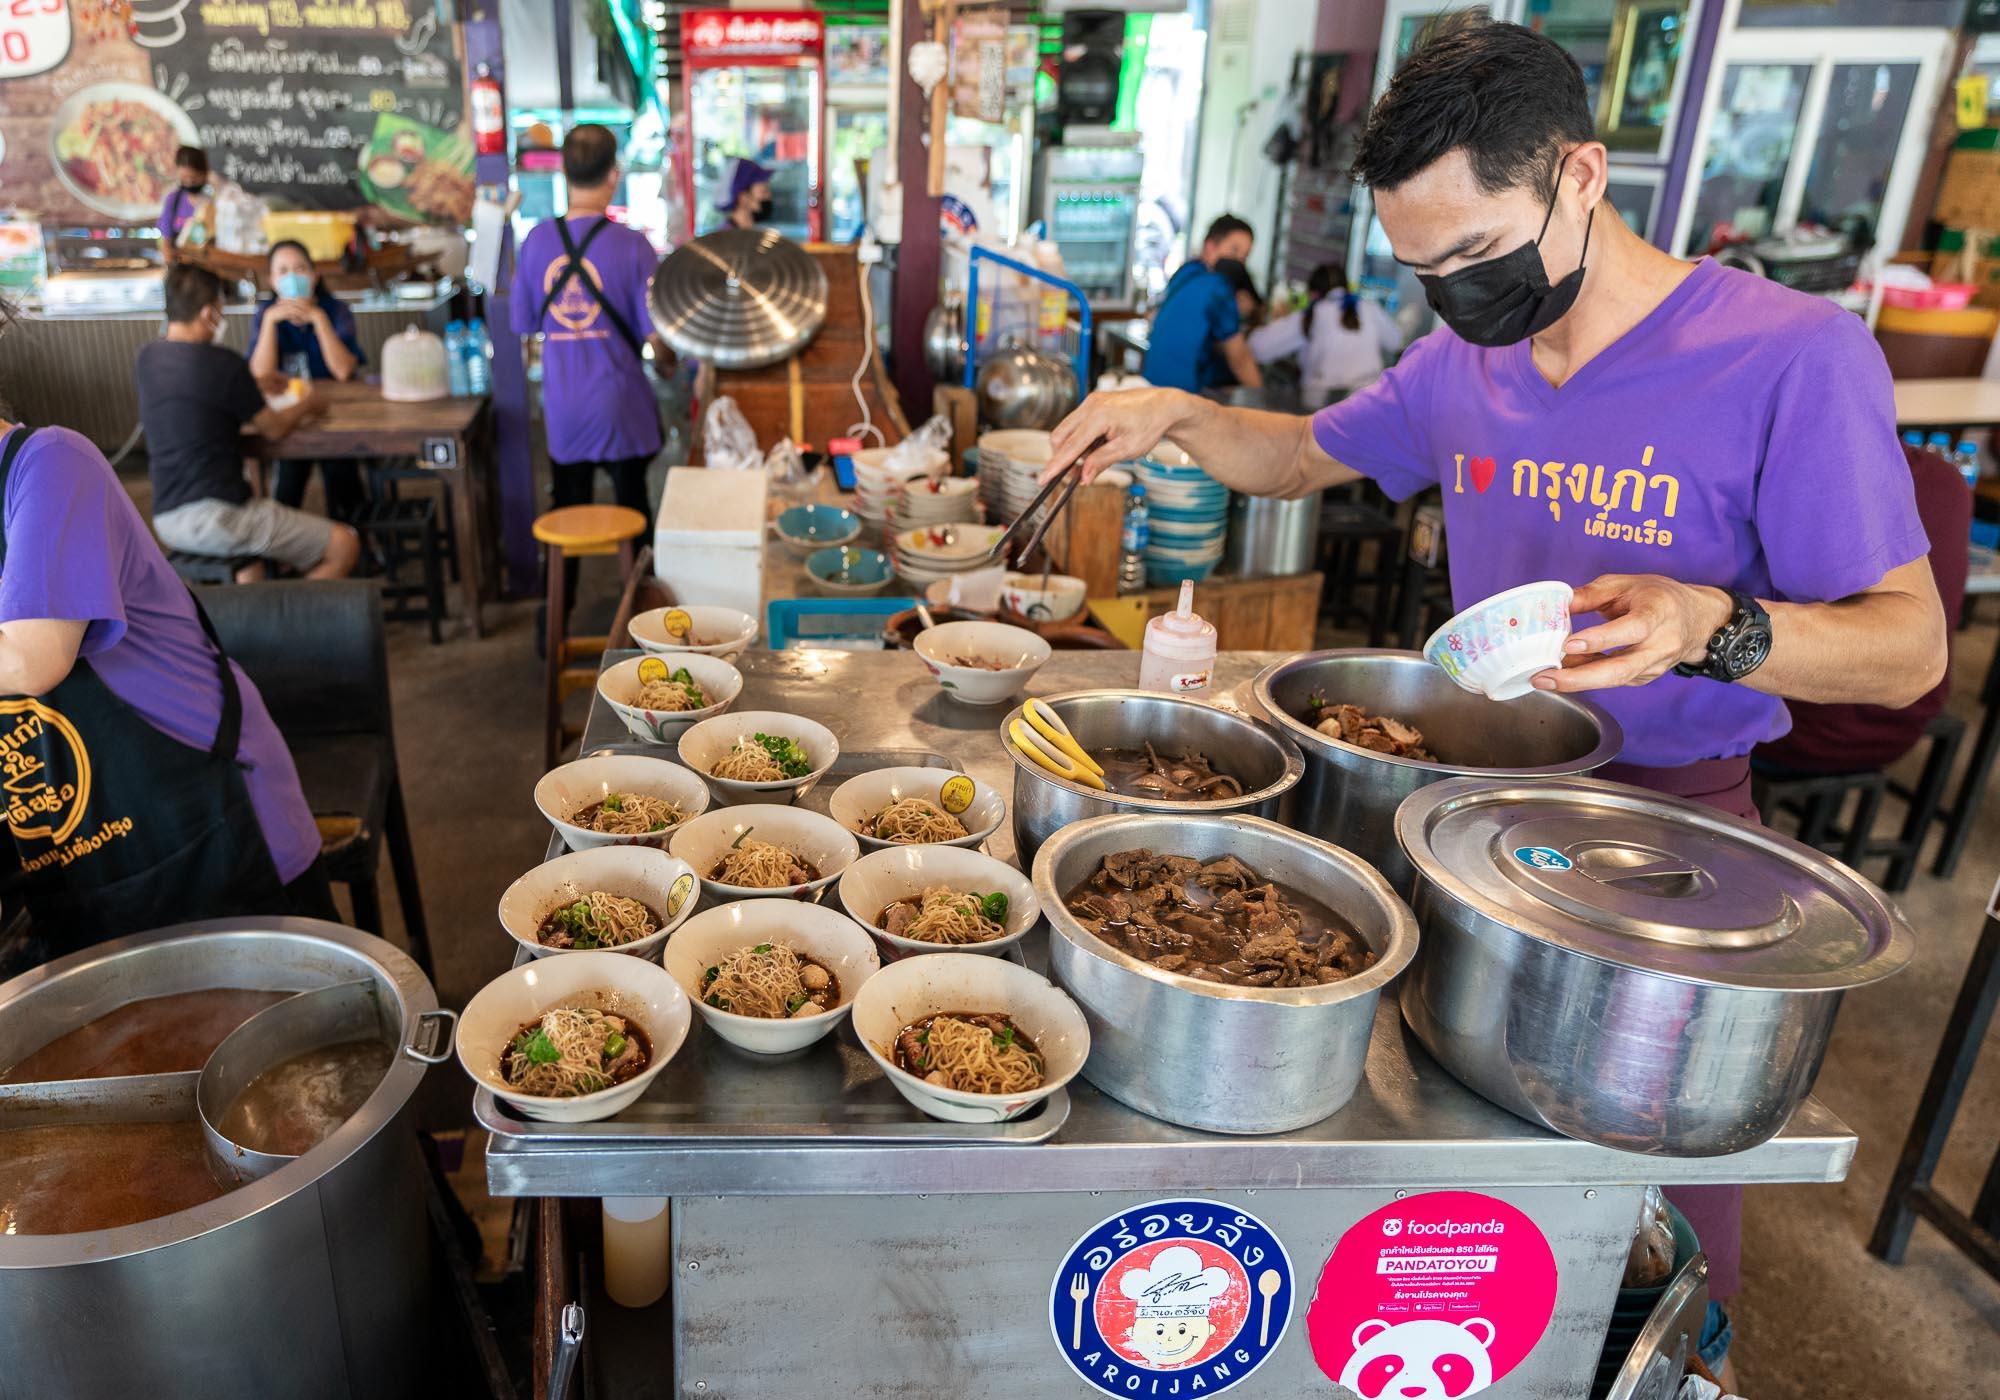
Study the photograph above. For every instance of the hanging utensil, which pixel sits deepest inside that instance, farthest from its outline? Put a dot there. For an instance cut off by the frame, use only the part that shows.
(569, 1346)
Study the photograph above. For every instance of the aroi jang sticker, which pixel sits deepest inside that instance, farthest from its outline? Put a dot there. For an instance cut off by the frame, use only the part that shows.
(1171, 1298)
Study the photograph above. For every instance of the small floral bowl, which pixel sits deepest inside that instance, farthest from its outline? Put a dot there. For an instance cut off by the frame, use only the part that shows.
(620, 686)
(1497, 648)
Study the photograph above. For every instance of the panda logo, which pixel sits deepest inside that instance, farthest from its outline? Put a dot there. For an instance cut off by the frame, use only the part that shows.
(1428, 1359)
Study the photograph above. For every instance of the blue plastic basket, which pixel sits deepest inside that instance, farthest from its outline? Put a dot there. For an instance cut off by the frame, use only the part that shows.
(829, 622)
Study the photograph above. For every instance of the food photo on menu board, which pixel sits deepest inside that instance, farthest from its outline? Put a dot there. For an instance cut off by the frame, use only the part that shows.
(308, 106)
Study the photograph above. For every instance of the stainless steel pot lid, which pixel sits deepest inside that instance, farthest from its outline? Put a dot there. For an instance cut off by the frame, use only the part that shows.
(738, 298)
(1651, 882)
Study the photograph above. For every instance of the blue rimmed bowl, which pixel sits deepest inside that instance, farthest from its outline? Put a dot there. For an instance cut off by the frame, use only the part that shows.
(850, 572)
(814, 527)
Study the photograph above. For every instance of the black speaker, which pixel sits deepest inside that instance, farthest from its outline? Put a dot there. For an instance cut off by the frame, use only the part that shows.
(1093, 44)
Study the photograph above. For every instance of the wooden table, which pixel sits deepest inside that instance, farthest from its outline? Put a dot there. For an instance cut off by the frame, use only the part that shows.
(1947, 403)
(446, 436)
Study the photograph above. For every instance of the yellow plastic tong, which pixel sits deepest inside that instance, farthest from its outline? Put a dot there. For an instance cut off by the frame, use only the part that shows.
(1046, 740)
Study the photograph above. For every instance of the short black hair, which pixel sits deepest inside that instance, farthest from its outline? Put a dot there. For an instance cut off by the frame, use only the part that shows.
(191, 290)
(1237, 276)
(589, 152)
(1223, 227)
(193, 157)
(1508, 97)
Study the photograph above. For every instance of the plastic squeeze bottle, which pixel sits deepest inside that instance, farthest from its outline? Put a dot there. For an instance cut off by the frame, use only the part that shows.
(1179, 656)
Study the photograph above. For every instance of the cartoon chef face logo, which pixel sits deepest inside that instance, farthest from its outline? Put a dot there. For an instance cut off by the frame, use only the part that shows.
(1188, 1289)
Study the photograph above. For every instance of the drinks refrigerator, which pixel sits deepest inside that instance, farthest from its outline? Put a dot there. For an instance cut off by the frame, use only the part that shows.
(756, 87)
(857, 119)
(1090, 203)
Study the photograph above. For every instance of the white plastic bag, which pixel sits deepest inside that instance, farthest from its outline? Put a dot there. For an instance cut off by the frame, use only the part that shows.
(786, 467)
(728, 443)
(239, 220)
(924, 452)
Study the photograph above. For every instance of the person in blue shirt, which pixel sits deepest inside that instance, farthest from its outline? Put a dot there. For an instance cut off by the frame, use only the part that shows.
(304, 331)
(1197, 340)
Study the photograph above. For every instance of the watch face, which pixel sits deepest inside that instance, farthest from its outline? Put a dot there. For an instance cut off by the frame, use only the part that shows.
(1747, 651)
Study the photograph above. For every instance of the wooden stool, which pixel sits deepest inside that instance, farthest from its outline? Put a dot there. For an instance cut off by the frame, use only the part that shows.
(575, 532)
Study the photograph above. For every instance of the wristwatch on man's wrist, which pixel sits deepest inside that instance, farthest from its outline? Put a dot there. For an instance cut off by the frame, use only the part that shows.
(1739, 646)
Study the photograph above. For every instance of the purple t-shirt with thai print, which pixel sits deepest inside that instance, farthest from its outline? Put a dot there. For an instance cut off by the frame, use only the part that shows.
(597, 403)
(1742, 436)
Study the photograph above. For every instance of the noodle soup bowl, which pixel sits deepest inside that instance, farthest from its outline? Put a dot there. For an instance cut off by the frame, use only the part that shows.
(1016, 652)
(666, 885)
(640, 991)
(880, 878)
(706, 631)
(862, 796)
(705, 744)
(620, 684)
(820, 842)
(566, 791)
(908, 991)
(825, 935)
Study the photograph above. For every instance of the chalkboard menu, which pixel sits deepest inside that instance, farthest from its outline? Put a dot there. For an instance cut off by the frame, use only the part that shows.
(313, 104)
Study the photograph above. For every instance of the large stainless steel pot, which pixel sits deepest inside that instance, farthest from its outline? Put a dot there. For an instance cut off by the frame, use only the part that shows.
(1204, 1054)
(1632, 970)
(1349, 795)
(1248, 750)
(313, 1281)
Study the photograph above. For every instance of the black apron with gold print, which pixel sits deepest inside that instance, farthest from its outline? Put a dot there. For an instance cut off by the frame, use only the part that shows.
(116, 826)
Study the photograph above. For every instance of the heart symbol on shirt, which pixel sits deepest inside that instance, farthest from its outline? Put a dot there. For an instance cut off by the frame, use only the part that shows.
(1483, 469)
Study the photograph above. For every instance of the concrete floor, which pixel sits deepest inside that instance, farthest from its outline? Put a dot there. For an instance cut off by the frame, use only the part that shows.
(1819, 1319)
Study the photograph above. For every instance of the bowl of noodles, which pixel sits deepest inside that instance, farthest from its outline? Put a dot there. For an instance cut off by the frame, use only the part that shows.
(700, 628)
(970, 1039)
(623, 898)
(889, 807)
(932, 899)
(659, 697)
(764, 850)
(576, 1039)
(768, 976)
(619, 800)
(759, 755)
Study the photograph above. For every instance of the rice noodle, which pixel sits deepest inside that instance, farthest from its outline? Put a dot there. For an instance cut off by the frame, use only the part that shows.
(748, 762)
(671, 695)
(984, 1056)
(581, 1035)
(945, 915)
(598, 920)
(759, 865)
(913, 821)
(769, 980)
(630, 814)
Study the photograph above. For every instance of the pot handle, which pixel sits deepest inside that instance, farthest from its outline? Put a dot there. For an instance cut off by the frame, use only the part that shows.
(439, 1041)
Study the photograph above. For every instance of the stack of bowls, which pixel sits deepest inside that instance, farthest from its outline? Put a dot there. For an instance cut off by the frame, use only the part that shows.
(1009, 462)
(929, 500)
(924, 555)
(878, 481)
(1187, 514)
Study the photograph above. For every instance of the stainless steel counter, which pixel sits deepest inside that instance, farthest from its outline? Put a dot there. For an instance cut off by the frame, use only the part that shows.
(1410, 1126)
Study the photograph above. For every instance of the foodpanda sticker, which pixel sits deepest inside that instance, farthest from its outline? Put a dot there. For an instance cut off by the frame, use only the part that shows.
(1432, 1297)
(1171, 1298)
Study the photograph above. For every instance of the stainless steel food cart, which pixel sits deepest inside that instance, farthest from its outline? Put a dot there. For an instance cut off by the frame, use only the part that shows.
(823, 1242)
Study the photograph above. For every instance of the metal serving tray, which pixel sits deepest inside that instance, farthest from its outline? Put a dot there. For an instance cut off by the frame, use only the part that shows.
(715, 1093)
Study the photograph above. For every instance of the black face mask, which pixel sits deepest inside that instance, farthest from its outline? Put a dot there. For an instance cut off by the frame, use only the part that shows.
(1504, 300)
(196, 188)
(761, 212)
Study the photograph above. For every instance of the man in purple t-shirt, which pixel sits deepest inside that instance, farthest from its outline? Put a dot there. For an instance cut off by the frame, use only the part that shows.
(1709, 458)
(580, 282)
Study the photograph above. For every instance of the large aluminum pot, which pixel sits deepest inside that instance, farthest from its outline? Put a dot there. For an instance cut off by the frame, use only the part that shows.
(314, 1281)
(1349, 795)
(1628, 969)
(1204, 1054)
(1248, 750)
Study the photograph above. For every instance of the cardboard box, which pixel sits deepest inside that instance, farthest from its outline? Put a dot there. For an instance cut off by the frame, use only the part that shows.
(1969, 194)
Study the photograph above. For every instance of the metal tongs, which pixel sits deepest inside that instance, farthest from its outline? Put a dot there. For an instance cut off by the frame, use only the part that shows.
(569, 1345)
(1069, 478)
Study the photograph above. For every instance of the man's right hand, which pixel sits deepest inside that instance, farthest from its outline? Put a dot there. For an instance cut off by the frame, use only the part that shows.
(1113, 427)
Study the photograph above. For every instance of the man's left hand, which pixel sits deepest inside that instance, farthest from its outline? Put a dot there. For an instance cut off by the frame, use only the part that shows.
(1651, 624)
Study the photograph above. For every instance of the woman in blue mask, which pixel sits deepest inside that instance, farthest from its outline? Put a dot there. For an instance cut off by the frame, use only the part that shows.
(304, 331)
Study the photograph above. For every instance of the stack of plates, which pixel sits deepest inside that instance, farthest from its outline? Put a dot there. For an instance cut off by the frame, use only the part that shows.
(928, 500)
(1187, 514)
(923, 556)
(1009, 462)
(878, 483)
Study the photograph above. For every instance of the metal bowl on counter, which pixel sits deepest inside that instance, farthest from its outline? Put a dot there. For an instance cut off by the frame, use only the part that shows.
(1349, 795)
(314, 1277)
(1210, 1055)
(1628, 969)
(1260, 758)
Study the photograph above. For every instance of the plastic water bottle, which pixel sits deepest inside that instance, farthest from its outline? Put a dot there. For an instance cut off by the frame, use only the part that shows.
(1913, 437)
(454, 358)
(1939, 443)
(478, 369)
(1132, 542)
(1966, 459)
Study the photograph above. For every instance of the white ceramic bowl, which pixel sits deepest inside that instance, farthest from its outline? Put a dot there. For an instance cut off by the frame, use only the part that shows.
(865, 794)
(880, 878)
(619, 685)
(825, 935)
(639, 990)
(821, 842)
(710, 631)
(947, 546)
(1020, 651)
(1060, 598)
(1496, 648)
(910, 990)
(665, 884)
(704, 745)
(567, 789)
